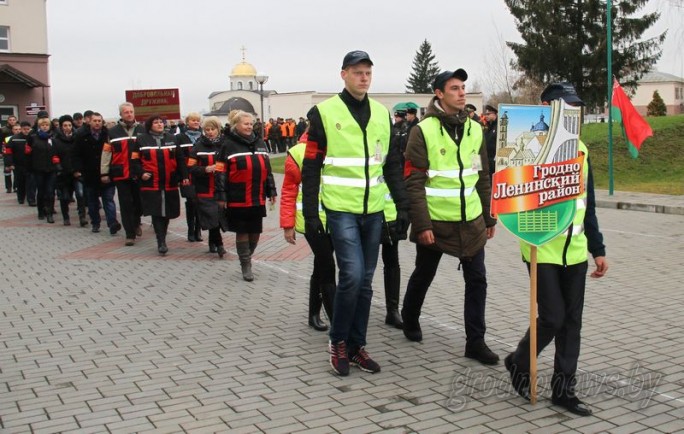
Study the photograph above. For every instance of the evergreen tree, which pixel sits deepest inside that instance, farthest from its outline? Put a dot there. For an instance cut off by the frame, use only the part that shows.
(425, 70)
(566, 41)
(657, 106)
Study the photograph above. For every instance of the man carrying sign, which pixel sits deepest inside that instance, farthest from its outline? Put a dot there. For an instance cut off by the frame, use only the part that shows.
(561, 276)
(449, 189)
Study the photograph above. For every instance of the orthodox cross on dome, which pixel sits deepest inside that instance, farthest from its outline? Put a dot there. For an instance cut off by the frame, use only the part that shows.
(243, 49)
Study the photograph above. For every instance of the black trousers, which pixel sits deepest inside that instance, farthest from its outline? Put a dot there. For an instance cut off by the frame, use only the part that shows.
(324, 261)
(8, 180)
(475, 277)
(20, 182)
(31, 187)
(390, 254)
(45, 198)
(560, 302)
(161, 227)
(129, 205)
(215, 237)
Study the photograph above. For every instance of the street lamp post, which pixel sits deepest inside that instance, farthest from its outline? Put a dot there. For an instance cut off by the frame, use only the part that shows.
(262, 78)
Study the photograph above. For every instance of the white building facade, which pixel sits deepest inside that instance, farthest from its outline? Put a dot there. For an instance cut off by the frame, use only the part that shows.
(244, 94)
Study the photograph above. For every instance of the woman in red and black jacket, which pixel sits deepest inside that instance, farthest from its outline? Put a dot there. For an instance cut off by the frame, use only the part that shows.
(243, 182)
(202, 165)
(158, 162)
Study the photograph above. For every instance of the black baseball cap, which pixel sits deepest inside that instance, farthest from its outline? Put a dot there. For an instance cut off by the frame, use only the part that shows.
(400, 113)
(470, 108)
(355, 57)
(563, 90)
(411, 111)
(444, 76)
(491, 108)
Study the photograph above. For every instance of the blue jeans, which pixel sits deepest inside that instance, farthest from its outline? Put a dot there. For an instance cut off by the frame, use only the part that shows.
(106, 192)
(356, 240)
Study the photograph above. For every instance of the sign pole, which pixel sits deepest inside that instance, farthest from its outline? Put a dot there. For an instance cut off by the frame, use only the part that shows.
(533, 325)
(609, 81)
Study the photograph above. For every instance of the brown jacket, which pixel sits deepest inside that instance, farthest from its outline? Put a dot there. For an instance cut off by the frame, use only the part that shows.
(460, 239)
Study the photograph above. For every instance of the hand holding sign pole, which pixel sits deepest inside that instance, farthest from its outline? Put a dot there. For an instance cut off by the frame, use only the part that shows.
(539, 176)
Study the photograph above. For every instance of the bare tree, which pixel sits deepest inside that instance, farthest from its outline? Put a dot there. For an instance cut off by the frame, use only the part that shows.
(475, 86)
(500, 76)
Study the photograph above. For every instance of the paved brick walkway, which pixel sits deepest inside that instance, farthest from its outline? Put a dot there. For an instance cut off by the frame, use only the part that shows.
(98, 337)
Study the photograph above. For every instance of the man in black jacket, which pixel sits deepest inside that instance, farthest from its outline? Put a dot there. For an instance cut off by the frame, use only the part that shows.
(491, 114)
(15, 160)
(411, 118)
(87, 158)
(301, 128)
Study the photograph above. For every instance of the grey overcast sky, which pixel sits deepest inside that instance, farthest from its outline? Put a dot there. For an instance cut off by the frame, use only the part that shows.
(101, 48)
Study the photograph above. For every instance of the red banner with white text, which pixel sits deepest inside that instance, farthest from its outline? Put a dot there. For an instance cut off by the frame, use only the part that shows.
(525, 188)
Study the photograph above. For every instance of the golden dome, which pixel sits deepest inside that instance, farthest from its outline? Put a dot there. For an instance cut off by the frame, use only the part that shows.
(243, 69)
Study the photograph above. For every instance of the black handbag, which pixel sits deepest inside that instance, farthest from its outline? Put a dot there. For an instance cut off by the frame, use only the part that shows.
(188, 191)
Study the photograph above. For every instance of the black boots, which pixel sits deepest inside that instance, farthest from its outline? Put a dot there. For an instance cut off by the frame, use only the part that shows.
(392, 282)
(81, 207)
(161, 226)
(194, 229)
(216, 242)
(245, 255)
(64, 207)
(190, 220)
(412, 330)
(161, 247)
(82, 220)
(479, 351)
(49, 211)
(315, 303)
(328, 297)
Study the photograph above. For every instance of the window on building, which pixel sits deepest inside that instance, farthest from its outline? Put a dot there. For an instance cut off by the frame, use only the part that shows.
(239, 85)
(4, 38)
(251, 85)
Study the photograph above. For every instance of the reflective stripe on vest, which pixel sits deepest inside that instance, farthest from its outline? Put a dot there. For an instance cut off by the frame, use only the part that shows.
(242, 154)
(351, 162)
(297, 154)
(451, 177)
(352, 181)
(147, 148)
(554, 252)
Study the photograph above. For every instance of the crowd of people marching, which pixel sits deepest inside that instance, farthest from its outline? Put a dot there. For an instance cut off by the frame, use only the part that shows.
(224, 174)
(354, 183)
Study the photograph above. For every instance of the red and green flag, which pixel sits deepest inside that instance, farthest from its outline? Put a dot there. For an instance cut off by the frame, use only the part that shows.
(634, 127)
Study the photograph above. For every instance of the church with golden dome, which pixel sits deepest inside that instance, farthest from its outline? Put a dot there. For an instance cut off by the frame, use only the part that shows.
(243, 76)
(244, 94)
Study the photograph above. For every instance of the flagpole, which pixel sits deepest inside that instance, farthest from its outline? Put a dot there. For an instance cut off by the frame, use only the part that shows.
(609, 49)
